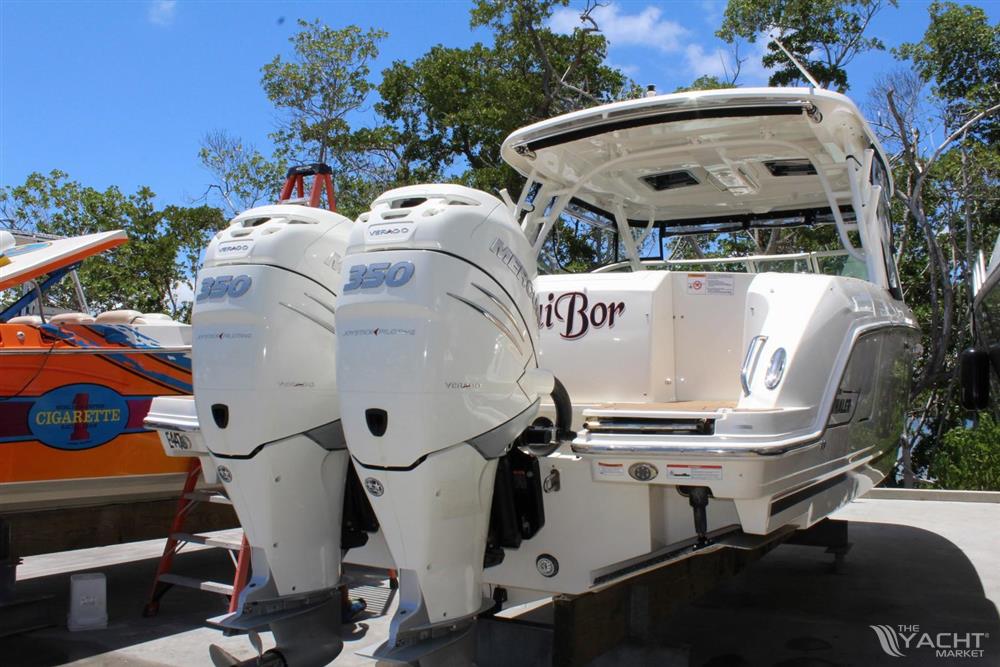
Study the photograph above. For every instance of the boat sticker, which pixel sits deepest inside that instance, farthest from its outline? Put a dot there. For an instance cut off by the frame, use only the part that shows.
(683, 471)
(703, 283)
(234, 249)
(390, 232)
(218, 287)
(27, 247)
(610, 469)
(79, 416)
(843, 407)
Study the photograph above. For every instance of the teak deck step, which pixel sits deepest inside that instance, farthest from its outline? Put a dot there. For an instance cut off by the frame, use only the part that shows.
(675, 406)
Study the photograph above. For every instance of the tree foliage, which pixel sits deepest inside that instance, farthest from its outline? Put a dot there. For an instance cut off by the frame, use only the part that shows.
(242, 176)
(969, 458)
(824, 35)
(946, 174)
(452, 108)
(706, 82)
(144, 274)
(960, 54)
(317, 89)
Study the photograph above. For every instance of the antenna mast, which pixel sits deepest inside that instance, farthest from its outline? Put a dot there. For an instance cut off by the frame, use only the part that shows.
(802, 69)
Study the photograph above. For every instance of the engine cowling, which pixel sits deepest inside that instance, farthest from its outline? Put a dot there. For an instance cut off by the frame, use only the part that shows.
(264, 354)
(436, 370)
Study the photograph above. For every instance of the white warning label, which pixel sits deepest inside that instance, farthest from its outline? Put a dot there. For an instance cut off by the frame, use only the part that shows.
(604, 469)
(679, 471)
(704, 283)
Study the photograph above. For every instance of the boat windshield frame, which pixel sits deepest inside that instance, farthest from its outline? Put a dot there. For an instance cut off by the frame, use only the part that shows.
(545, 202)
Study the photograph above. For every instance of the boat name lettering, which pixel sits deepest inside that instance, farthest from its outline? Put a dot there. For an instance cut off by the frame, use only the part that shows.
(574, 314)
(78, 416)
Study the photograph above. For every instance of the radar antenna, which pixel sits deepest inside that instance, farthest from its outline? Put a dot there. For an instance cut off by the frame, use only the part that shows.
(802, 68)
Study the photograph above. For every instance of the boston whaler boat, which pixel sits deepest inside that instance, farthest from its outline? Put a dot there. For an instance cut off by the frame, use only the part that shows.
(556, 433)
(714, 396)
(74, 388)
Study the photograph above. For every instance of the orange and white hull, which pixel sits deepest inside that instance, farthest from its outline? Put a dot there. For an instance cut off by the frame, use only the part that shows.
(72, 401)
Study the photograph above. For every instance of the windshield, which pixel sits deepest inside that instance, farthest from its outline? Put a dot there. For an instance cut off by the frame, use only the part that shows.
(585, 240)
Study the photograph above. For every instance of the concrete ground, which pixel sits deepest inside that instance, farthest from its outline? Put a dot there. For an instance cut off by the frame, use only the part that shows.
(922, 563)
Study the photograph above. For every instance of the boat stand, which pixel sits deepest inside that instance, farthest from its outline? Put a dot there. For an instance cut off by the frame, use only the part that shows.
(634, 609)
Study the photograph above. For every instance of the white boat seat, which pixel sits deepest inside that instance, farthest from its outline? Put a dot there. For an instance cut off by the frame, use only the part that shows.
(25, 319)
(156, 318)
(118, 317)
(72, 318)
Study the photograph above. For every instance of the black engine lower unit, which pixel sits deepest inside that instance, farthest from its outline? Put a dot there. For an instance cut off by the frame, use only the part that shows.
(517, 512)
(359, 518)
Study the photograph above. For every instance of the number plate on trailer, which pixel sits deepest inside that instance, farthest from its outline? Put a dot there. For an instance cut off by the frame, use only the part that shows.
(182, 443)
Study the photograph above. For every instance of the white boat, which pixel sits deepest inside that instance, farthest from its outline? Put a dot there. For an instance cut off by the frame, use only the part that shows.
(712, 397)
(558, 433)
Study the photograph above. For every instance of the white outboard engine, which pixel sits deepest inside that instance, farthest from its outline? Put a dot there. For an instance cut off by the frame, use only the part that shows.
(437, 374)
(266, 398)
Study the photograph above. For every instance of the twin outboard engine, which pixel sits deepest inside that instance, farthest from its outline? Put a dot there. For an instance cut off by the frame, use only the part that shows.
(437, 373)
(264, 351)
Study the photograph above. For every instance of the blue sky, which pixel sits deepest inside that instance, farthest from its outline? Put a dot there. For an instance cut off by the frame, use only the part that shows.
(120, 92)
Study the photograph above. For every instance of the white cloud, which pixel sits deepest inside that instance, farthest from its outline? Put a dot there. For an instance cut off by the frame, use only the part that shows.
(716, 62)
(162, 12)
(712, 11)
(720, 62)
(647, 28)
(627, 70)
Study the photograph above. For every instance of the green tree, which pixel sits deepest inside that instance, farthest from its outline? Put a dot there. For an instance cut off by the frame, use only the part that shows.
(317, 89)
(968, 458)
(242, 176)
(960, 54)
(706, 82)
(824, 35)
(947, 188)
(451, 109)
(147, 272)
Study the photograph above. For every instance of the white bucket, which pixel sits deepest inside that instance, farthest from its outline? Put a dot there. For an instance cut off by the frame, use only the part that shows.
(88, 602)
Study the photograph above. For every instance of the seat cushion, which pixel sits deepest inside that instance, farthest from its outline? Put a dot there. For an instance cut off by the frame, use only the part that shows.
(25, 319)
(118, 317)
(72, 318)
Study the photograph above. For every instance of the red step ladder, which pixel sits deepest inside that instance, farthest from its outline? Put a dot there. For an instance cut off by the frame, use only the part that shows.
(322, 180)
(165, 579)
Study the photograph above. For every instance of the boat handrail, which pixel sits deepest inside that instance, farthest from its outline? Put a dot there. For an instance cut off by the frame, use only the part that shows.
(31, 235)
(749, 260)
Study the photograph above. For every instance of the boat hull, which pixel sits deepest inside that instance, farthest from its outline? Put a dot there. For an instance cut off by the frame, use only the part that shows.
(72, 401)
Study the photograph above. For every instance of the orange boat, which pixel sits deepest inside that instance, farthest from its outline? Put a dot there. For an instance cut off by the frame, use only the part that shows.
(74, 387)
